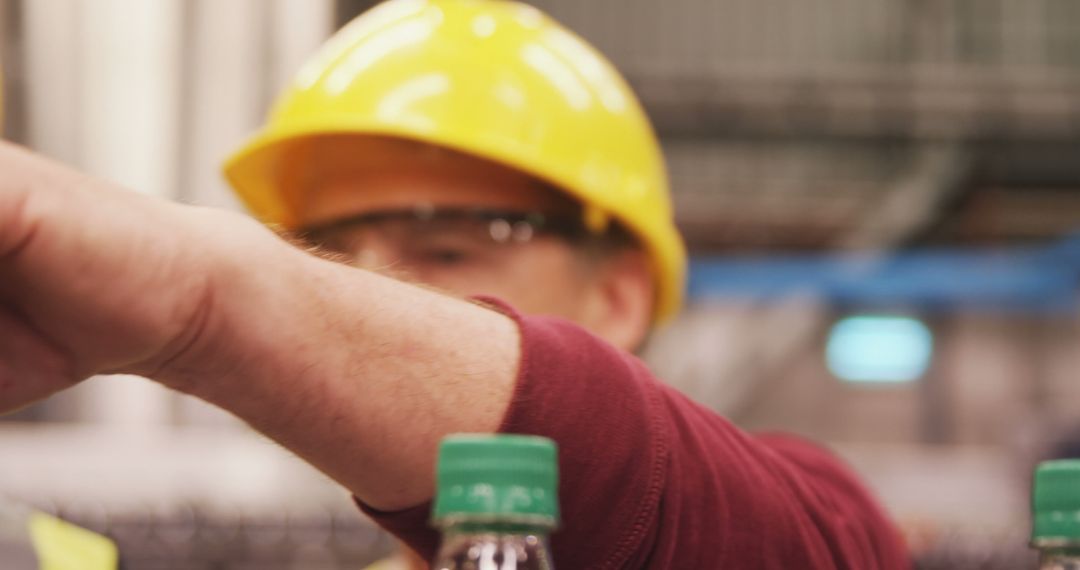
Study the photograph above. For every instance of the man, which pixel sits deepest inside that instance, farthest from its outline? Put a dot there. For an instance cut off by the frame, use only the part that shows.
(478, 148)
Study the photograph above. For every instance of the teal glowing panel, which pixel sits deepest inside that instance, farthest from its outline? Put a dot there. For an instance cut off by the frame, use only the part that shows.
(876, 348)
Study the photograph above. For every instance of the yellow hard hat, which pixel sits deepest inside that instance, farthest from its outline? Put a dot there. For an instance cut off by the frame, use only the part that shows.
(492, 78)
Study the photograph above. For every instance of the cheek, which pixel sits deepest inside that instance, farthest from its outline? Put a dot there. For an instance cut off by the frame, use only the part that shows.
(551, 284)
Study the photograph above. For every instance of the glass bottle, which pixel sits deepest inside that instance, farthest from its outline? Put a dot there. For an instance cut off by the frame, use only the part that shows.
(496, 502)
(1056, 514)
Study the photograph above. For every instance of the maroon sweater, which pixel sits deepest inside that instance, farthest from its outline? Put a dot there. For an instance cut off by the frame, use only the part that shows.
(650, 479)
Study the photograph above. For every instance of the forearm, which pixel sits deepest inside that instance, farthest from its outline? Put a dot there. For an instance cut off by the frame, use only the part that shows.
(359, 374)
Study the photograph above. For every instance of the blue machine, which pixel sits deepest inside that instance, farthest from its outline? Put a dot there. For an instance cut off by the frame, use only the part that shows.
(1037, 279)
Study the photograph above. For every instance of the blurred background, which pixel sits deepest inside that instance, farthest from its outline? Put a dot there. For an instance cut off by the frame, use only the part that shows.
(880, 197)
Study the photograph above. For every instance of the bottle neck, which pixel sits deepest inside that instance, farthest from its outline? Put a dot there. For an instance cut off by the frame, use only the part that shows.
(1059, 555)
(491, 524)
(1059, 561)
(466, 547)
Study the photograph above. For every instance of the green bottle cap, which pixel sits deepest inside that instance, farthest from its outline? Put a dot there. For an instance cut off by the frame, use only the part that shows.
(1055, 503)
(497, 479)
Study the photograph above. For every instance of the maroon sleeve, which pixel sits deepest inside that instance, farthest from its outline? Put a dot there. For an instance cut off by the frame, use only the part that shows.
(650, 479)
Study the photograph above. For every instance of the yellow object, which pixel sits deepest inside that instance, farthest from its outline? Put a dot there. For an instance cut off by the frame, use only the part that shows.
(63, 546)
(493, 78)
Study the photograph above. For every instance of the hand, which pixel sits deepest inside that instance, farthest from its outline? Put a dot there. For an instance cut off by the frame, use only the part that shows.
(93, 279)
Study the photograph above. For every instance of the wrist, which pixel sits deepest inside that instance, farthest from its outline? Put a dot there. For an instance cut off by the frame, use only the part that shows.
(241, 265)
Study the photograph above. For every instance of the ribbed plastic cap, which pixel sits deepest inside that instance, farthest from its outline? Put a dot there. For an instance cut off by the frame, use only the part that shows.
(1055, 502)
(491, 477)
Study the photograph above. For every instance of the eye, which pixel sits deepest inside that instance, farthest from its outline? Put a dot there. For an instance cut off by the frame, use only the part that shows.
(444, 256)
(335, 247)
(324, 241)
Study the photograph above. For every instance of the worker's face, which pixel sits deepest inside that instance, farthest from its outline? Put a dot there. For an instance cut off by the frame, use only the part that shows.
(471, 227)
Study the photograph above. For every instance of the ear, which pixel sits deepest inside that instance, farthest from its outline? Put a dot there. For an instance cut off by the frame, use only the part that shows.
(620, 299)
